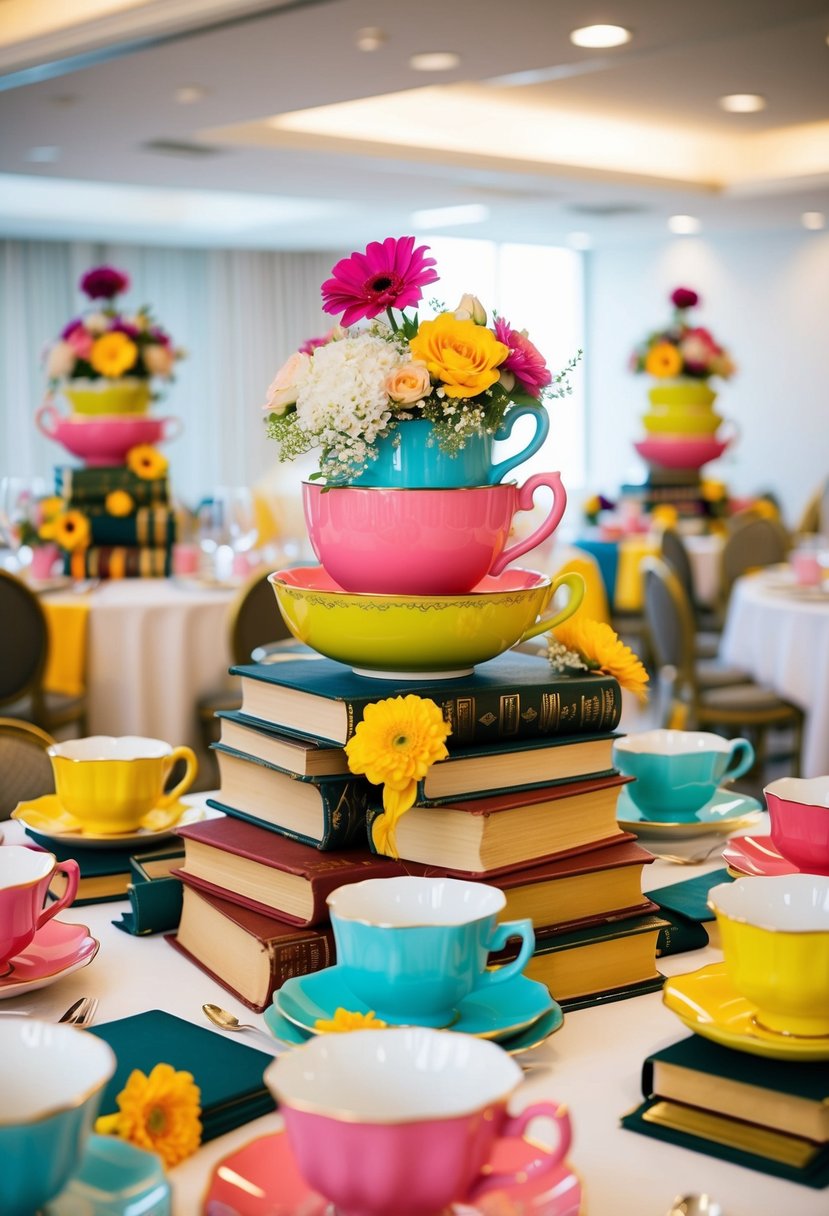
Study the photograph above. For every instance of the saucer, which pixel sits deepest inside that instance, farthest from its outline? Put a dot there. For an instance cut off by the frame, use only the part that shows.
(56, 950)
(115, 1178)
(262, 1179)
(47, 818)
(726, 812)
(756, 857)
(526, 1040)
(492, 1013)
(707, 1003)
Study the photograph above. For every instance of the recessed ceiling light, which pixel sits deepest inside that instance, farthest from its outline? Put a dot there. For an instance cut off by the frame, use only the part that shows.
(684, 225)
(370, 38)
(46, 154)
(187, 94)
(579, 240)
(434, 61)
(447, 217)
(600, 36)
(813, 220)
(742, 103)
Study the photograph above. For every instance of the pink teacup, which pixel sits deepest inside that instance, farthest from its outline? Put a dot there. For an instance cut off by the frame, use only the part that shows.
(104, 439)
(25, 875)
(408, 1118)
(799, 813)
(422, 542)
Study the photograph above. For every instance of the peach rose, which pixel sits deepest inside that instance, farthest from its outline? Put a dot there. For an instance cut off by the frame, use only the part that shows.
(470, 308)
(60, 361)
(158, 359)
(285, 388)
(409, 383)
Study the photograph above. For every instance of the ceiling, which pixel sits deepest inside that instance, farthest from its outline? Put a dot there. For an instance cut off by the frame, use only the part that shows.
(301, 140)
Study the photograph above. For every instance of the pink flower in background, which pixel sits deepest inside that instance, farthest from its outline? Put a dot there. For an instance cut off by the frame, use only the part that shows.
(160, 335)
(310, 344)
(698, 349)
(684, 297)
(158, 359)
(81, 341)
(124, 327)
(60, 361)
(524, 360)
(104, 282)
(388, 275)
(75, 323)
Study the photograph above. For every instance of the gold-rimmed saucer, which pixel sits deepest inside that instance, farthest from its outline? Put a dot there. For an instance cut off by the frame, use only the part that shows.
(47, 817)
(706, 1002)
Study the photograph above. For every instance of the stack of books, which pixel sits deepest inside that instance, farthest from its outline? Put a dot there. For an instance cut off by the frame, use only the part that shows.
(525, 801)
(138, 544)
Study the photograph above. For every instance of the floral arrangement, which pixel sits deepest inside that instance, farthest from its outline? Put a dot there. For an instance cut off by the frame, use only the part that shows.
(579, 645)
(681, 349)
(160, 1112)
(593, 507)
(106, 343)
(344, 391)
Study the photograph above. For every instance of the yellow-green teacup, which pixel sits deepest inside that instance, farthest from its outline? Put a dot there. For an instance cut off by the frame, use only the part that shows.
(682, 391)
(109, 784)
(664, 420)
(127, 396)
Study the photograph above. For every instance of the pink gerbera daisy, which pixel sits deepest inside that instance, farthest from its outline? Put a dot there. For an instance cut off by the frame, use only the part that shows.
(524, 360)
(388, 275)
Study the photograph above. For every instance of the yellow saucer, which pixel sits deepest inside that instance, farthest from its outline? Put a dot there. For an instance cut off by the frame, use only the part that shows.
(47, 816)
(706, 1003)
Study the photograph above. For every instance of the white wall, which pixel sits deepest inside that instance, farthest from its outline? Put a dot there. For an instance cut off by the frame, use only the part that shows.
(765, 296)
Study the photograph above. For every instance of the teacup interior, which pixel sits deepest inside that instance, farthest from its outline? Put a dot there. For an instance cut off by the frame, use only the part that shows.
(394, 1076)
(46, 1068)
(796, 903)
(402, 902)
(805, 791)
(110, 747)
(20, 866)
(672, 742)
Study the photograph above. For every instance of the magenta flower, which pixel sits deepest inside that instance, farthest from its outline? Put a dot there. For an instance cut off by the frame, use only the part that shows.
(81, 341)
(124, 327)
(310, 344)
(388, 275)
(524, 360)
(104, 282)
(684, 297)
(75, 323)
(157, 334)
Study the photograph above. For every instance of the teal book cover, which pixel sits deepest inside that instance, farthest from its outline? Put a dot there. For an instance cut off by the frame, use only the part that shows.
(81, 487)
(105, 873)
(691, 925)
(148, 526)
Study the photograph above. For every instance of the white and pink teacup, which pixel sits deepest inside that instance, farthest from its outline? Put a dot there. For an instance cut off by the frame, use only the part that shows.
(408, 1118)
(423, 542)
(25, 875)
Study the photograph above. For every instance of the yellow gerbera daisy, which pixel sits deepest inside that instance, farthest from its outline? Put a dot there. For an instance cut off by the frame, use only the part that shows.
(159, 1112)
(119, 503)
(146, 462)
(348, 1019)
(70, 530)
(712, 491)
(113, 354)
(663, 359)
(665, 515)
(600, 648)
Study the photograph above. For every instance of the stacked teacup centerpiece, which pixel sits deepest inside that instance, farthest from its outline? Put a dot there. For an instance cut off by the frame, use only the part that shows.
(411, 519)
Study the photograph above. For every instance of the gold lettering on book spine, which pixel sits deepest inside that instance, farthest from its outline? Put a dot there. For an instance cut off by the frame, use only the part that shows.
(551, 712)
(509, 713)
(463, 726)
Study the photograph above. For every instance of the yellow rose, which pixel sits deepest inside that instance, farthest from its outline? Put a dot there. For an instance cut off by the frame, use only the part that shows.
(462, 356)
(663, 359)
(409, 383)
(113, 354)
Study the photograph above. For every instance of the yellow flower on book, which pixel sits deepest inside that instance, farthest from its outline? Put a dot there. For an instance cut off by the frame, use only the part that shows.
(712, 491)
(113, 354)
(70, 530)
(146, 462)
(665, 515)
(395, 745)
(599, 648)
(159, 1112)
(348, 1019)
(663, 359)
(119, 503)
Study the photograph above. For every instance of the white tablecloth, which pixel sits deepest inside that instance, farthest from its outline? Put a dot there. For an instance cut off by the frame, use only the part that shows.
(779, 633)
(595, 1063)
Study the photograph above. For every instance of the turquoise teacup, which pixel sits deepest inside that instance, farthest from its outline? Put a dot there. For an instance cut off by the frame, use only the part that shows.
(412, 948)
(410, 458)
(52, 1078)
(678, 771)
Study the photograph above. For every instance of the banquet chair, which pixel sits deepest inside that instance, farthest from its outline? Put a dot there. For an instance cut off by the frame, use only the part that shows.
(708, 626)
(691, 703)
(815, 517)
(752, 542)
(24, 650)
(25, 769)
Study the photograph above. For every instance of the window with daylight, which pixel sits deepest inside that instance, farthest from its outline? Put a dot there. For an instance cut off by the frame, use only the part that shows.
(538, 288)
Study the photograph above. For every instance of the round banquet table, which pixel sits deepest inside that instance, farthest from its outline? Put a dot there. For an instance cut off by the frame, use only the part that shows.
(779, 633)
(593, 1064)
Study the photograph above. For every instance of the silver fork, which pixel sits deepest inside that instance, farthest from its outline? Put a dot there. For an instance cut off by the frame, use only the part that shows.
(81, 1013)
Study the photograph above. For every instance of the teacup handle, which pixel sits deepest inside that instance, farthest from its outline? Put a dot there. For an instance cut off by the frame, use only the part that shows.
(73, 874)
(740, 760)
(47, 419)
(526, 494)
(544, 1163)
(542, 428)
(189, 757)
(576, 584)
(501, 935)
(171, 428)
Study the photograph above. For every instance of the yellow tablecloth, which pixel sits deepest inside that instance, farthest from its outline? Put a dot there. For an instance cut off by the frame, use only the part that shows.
(66, 664)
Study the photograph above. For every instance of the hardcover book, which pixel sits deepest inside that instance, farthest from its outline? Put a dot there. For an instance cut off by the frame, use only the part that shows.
(324, 811)
(305, 757)
(148, 526)
(91, 485)
(684, 905)
(119, 561)
(105, 873)
(597, 958)
(511, 697)
(249, 954)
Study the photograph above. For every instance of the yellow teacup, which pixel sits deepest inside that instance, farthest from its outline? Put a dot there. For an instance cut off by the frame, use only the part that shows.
(109, 784)
(128, 396)
(665, 420)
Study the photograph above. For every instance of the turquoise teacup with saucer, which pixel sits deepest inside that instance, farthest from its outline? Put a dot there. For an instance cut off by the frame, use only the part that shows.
(678, 771)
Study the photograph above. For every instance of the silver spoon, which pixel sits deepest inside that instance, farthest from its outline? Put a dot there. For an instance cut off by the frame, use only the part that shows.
(226, 1020)
(694, 1205)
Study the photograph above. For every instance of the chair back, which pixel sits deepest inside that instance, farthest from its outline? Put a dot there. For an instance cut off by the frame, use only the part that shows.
(670, 620)
(24, 640)
(255, 618)
(674, 552)
(753, 543)
(24, 764)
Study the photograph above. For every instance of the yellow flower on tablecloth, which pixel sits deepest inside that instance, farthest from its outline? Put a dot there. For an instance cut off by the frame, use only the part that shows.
(349, 1019)
(462, 356)
(146, 462)
(119, 503)
(159, 1112)
(395, 745)
(601, 650)
(113, 354)
(663, 359)
(69, 530)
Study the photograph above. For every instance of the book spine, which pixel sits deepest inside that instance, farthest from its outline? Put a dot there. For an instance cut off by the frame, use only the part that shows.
(679, 935)
(344, 816)
(300, 956)
(118, 561)
(83, 486)
(148, 527)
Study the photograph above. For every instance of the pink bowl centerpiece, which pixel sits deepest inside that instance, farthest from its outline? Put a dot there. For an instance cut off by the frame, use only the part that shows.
(104, 440)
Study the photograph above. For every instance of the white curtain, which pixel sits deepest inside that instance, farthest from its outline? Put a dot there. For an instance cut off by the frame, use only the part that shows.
(239, 315)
